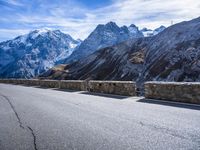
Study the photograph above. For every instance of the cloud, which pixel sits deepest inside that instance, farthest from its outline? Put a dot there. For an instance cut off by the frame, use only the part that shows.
(11, 33)
(149, 11)
(74, 18)
(11, 2)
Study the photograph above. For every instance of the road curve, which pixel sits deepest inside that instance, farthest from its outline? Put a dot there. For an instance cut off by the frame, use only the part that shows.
(33, 118)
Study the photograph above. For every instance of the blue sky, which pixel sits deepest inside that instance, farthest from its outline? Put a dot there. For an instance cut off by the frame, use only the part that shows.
(79, 17)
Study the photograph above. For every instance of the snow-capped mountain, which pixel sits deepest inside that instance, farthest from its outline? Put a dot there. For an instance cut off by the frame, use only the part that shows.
(171, 55)
(134, 32)
(31, 54)
(104, 36)
(149, 32)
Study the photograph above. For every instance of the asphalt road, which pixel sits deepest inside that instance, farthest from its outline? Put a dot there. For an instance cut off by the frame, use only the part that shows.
(49, 119)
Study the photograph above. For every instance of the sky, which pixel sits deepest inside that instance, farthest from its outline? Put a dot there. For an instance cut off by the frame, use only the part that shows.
(80, 17)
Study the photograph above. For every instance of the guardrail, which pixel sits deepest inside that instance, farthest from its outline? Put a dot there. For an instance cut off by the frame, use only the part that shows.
(126, 88)
(188, 92)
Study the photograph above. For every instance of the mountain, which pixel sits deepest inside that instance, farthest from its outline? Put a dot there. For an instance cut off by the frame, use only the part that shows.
(104, 36)
(174, 54)
(29, 55)
(149, 32)
(110, 63)
(171, 55)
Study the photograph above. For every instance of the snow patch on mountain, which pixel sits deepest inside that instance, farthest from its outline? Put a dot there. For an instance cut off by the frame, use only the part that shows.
(149, 32)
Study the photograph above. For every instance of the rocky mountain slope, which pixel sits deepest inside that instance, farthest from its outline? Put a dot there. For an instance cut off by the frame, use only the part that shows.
(171, 55)
(111, 63)
(29, 55)
(104, 36)
(174, 54)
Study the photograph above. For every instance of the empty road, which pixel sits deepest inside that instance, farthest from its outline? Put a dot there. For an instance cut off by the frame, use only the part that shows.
(33, 118)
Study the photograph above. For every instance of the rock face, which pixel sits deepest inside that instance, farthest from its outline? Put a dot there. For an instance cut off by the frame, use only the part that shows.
(171, 55)
(104, 36)
(29, 55)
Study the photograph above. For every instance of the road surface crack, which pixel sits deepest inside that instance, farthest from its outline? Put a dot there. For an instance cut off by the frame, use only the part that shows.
(34, 137)
(16, 114)
(20, 123)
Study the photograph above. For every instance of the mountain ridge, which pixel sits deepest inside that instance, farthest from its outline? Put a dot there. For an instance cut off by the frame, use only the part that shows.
(41, 49)
(171, 55)
(103, 36)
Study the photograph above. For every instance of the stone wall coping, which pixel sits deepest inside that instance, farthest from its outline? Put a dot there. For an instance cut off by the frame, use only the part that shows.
(94, 81)
(71, 80)
(173, 83)
(47, 80)
(98, 81)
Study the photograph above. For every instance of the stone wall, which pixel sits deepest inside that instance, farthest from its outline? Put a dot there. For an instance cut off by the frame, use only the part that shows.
(113, 87)
(30, 82)
(126, 88)
(188, 92)
(73, 85)
(20, 81)
(49, 83)
(7, 81)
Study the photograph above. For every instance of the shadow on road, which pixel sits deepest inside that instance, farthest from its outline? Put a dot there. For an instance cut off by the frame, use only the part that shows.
(56, 89)
(173, 104)
(105, 95)
(65, 90)
(40, 87)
